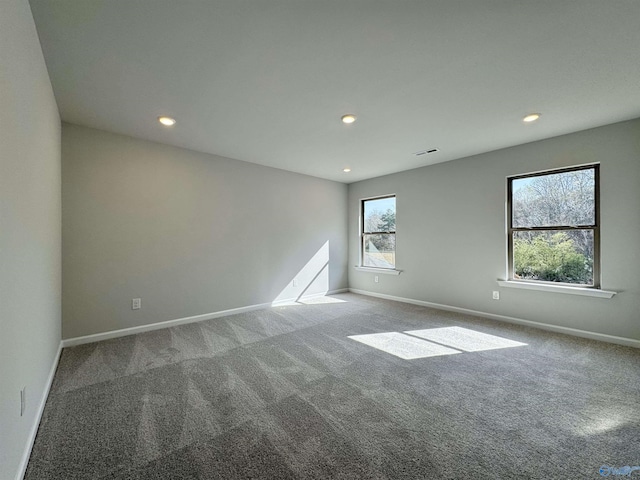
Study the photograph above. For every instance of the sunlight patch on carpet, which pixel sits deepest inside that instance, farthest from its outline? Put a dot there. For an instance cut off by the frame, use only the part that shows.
(434, 342)
(465, 339)
(403, 346)
(313, 300)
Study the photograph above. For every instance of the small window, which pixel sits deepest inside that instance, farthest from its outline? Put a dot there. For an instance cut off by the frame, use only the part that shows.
(553, 229)
(379, 232)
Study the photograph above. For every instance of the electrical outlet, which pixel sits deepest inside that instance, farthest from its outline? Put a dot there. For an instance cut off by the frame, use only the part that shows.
(23, 400)
(136, 304)
(375, 278)
(496, 295)
(295, 282)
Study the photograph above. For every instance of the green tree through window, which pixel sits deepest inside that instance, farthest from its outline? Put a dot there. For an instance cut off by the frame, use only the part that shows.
(553, 226)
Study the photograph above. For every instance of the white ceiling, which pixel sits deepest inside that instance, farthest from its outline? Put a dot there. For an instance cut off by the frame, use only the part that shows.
(266, 81)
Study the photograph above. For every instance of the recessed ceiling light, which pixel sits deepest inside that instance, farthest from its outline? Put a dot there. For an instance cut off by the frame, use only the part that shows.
(348, 118)
(167, 121)
(346, 170)
(532, 117)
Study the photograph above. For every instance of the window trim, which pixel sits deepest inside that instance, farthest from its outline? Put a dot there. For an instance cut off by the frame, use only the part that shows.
(384, 271)
(556, 288)
(594, 227)
(361, 234)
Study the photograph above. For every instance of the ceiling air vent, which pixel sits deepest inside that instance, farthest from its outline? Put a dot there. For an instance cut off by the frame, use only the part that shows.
(426, 152)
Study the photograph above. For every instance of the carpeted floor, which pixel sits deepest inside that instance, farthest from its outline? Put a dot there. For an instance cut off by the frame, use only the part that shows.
(285, 393)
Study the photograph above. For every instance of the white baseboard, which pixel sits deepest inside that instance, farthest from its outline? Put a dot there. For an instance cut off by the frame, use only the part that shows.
(629, 342)
(123, 332)
(97, 337)
(24, 462)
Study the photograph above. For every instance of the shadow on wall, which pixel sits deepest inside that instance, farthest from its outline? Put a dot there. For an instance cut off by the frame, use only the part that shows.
(311, 281)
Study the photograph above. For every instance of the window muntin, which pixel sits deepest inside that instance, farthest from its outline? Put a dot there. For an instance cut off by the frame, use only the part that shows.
(378, 249)
(553, 231)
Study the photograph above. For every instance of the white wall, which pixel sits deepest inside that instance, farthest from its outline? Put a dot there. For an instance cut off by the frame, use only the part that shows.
(29, 230)
(189, 233)
(451, 241)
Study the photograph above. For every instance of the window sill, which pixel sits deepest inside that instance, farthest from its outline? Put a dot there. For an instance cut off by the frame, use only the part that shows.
(384, 271)
(587, 292)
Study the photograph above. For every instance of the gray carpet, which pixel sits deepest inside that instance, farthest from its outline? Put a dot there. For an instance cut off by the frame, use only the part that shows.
(285, 394)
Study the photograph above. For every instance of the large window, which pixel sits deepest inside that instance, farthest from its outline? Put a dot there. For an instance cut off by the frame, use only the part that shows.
(379, 232)
(553, 227)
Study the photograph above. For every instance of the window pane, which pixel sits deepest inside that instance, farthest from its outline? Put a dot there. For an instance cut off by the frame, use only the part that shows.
(554, 256)
(556, 199)
(380, 215)
(379, 250)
